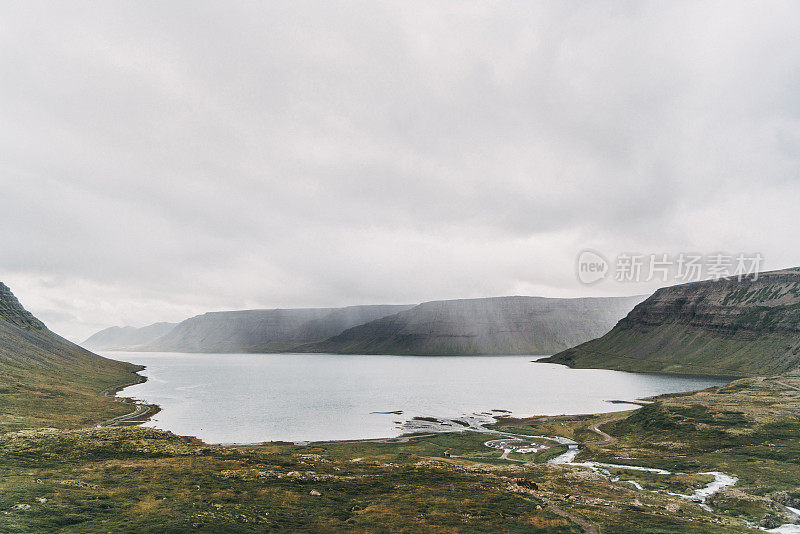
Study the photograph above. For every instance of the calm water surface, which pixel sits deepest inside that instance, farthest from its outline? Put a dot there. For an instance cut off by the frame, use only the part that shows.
(250, 398)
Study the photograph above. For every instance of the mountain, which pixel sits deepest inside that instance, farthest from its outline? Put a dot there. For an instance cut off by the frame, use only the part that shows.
(727, 327)
(265, 330)
(499, 325)
(47, 379)
(126, 337)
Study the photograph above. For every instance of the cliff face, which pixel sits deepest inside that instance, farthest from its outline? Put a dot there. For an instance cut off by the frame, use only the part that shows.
(264, 330)
(714, 327)
(127, 337)
(727, 307)
(501, 325)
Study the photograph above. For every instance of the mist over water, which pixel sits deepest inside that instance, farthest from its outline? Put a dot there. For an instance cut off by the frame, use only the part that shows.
(250, 398)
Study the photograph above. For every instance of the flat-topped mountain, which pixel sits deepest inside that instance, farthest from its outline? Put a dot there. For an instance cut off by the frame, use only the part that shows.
(715, 327)
(126, 337)
(265, 330)
(499, 325)
(43, 374)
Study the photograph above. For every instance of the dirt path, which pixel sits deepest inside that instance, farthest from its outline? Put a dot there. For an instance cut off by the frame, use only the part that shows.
(505, 457)
(587, 527)
(136, 416)
(784, 384)
(607, 438)
(403, 438)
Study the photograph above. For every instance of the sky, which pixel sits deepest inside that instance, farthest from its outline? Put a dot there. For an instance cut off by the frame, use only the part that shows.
(163, 159)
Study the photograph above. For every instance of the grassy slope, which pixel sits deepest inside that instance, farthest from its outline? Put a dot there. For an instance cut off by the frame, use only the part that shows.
(33, 398)
(725, 327)
(750, 428)
(677, 348)
(47, 381)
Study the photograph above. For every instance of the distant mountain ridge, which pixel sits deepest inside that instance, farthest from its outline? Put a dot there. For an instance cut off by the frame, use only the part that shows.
(279, 330)
(727, 326)
(126, 337)
(497, 325)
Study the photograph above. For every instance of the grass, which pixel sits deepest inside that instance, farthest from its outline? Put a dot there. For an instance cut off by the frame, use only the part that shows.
(134, 479)
(54, 399)
(140, 480)
(733, 329)
(82, 479)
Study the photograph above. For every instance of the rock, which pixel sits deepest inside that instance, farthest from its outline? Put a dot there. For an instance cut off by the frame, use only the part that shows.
(315, 493)
(585, 474)
(769, 521)
(785, 499)
(22, 507)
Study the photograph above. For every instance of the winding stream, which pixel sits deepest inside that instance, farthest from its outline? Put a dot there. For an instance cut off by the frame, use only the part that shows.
(478, 422)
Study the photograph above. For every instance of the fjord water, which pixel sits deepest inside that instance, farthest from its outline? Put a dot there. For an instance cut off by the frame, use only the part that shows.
(250, 398)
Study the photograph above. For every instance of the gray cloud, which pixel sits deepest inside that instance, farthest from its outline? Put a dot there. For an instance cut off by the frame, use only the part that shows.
(163, 159)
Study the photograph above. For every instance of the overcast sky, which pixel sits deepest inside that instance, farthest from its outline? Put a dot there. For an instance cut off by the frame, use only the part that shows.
(163, 159)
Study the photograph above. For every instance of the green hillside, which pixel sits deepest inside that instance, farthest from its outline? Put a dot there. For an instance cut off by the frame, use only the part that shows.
(47, 381)
(726, 327)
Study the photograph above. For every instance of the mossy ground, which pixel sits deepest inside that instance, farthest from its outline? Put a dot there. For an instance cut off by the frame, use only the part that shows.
(142, 480)
(134, 479)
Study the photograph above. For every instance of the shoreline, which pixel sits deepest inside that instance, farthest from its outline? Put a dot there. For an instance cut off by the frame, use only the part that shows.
(539, 358)
(144, 413)
(626, 469)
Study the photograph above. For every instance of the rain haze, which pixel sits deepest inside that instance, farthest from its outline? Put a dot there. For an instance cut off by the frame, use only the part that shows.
(160, 160)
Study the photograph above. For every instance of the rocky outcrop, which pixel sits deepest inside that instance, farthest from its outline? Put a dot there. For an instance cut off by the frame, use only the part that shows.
(729, 326)
(127, 337)
(12, 312)
(728, 307)
(500, 325)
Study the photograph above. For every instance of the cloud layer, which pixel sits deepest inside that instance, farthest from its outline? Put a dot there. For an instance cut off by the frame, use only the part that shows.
(159, 160)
